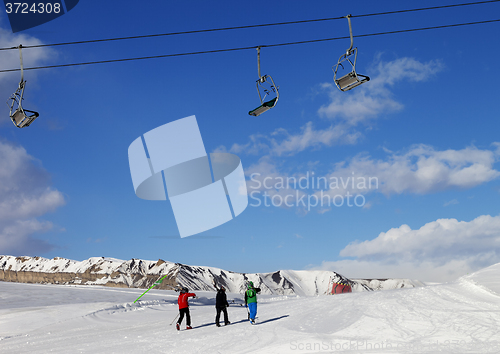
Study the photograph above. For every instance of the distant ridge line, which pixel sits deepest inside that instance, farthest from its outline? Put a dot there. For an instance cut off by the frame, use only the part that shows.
(138, 273)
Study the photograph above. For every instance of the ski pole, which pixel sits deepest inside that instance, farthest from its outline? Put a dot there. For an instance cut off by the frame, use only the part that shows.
(158, 282)
(174, 319)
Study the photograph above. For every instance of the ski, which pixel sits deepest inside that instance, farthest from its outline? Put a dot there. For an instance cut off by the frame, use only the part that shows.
(158, 282)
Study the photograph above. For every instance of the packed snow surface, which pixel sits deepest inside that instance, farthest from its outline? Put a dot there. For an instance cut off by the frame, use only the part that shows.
(458, 317)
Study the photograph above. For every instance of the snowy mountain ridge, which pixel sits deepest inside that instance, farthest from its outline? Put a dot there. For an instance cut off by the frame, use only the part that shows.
(137, 273)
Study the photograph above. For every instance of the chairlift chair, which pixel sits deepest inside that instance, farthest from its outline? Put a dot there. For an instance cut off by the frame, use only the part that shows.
(20, 117)
(352, 79)
(267, 89)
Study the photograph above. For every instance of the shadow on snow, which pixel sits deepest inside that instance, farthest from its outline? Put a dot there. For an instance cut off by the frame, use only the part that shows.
(243, 321)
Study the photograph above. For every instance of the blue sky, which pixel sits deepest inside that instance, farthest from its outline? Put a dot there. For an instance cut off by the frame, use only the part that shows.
(425, 128)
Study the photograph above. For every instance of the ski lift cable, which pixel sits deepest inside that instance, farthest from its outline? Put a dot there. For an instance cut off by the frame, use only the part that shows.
(250, 47)
(251, 26)
(425, 8)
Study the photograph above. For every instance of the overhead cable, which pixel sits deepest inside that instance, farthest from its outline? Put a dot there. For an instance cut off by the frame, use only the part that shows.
(251, 26)
(250, 47)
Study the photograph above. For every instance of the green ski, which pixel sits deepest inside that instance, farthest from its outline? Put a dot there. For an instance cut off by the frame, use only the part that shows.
(158, 282)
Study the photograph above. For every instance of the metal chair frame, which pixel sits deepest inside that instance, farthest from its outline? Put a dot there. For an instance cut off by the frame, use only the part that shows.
(17, 112)
(265, 106)
(352, 79)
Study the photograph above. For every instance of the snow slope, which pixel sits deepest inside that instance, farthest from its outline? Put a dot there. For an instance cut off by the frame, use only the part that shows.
(459, 317)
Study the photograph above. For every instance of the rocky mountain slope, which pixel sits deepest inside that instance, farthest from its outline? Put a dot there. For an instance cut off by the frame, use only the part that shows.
(137, 273)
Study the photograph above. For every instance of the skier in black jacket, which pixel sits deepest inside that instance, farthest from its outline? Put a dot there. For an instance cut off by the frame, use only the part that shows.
(220, 305)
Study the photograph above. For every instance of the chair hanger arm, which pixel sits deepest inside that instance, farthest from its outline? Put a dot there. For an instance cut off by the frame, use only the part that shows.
(350, 33)
(258, 63)
(21, 59)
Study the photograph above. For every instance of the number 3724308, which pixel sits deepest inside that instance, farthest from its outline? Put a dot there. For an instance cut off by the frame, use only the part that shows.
(25, 8)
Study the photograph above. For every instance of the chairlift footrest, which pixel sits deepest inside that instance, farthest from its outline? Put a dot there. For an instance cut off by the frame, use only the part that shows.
(264, 107)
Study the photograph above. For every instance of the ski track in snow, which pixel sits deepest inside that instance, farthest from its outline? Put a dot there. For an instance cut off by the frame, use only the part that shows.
(459, 317)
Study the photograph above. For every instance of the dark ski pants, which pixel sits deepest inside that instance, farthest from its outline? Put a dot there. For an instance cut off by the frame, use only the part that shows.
(217, 317)
(181, 316)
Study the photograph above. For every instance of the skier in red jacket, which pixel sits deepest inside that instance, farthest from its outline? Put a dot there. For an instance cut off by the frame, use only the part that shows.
(184, 308)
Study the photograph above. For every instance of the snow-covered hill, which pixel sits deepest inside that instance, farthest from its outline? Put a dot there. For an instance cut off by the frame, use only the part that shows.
(454, 318)
(136, 273)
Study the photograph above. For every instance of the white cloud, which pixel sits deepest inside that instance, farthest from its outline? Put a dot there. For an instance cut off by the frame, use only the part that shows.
(24, 195)
(439, 251)
(374, 98)
(451, 202)
(310, 137)
(389, 73)
(30, 204)
(421, 170)
(424, 271)
(16, 237)
(437, 240)
(282, 143)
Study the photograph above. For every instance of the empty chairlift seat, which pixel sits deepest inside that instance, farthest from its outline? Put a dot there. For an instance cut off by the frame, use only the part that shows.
(264, 107)
(352, 78)
(20, 117)
(265, 84)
